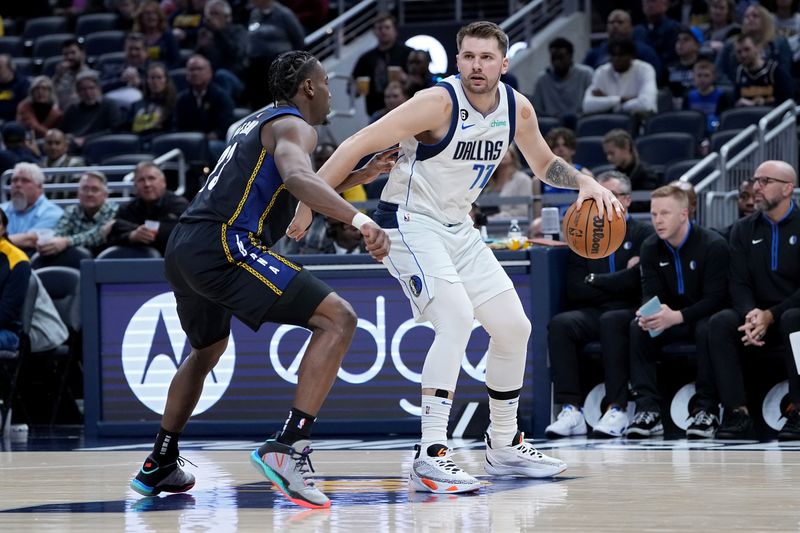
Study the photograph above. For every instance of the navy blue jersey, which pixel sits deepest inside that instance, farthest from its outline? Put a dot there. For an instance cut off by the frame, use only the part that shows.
(245, 191)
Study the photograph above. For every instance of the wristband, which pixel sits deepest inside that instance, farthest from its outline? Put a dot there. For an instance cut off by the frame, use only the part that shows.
(359, 220)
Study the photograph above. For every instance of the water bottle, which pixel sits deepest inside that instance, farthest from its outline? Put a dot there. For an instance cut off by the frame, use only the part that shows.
(516, 239)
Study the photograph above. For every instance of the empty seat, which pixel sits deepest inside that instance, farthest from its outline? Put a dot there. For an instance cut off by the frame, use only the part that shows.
(100, 148)
(193, 145)
(602, 123)
(178, 76)
(721, 137)
(547, 123)
(12, 46)
(678, 169)
(662, 149)
(24, 66)
(104, 42)
(50, 65)
(691, 122)
(602, 168)
(95, 22)
(129, 252)
(50, 45)
(589, 152)
(37, 27)
(126, 159)
(740, 117)
(70, 257)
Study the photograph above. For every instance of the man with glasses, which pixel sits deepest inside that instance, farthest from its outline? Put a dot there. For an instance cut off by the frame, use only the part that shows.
(602, 295)
(765, 293)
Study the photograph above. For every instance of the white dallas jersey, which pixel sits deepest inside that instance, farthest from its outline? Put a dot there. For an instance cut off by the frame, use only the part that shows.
(442, 180)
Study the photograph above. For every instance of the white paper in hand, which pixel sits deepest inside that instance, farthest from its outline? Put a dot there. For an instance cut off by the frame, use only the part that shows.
(651, 307)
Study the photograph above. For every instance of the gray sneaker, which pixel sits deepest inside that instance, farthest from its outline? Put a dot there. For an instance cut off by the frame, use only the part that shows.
(287, 469)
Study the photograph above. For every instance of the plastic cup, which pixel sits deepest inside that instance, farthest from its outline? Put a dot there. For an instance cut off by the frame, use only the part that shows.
(395, 73)
(152, 225)
(362, 84)
(44, 235)
(550, 223)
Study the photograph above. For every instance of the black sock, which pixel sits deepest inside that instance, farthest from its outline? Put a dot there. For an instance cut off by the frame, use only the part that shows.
(297, 427)
(165, 450)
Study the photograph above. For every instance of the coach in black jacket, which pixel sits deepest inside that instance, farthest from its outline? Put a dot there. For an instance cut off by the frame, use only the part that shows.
(765, 292)
(602, 294)
(686, 266)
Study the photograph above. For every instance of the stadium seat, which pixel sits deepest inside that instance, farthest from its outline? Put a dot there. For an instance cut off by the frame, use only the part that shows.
(740, 117)
(102, 147)
(602, 168)
(691, 122)
(104, 42)
(721, 137)
(37, 27)
(602, 123)
(111, 58)
(678, 169)
(24, 66)
(193, 145)
(11, 360)
(589, 152)
(49, 45)
(178, 76)
(51, 64)
(658, 150)
(70, 257)
(547, 123)
(95, 22)
(126, 159)
(129, 252)
(12, 46)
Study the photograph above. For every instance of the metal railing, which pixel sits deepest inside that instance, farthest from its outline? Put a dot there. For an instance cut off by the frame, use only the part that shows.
(521, 26)
(717, 177)
(455, 10)
(122, 185)
(331, 38)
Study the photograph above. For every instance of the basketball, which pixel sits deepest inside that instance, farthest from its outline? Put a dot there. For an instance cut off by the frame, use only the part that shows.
(590, 236)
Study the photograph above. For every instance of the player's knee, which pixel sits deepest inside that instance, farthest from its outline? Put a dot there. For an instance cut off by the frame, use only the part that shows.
(457, 326)
(344, 318)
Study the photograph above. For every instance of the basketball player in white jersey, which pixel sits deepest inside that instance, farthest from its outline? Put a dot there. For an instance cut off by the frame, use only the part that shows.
(452, 137)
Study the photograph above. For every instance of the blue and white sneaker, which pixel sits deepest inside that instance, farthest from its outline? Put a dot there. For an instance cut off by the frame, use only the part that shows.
(613, 423)
(154, 478)
(288, 470)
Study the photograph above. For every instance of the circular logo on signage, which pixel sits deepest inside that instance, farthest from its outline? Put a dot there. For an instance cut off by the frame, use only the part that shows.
(153, 348)
(772, 407)
(681, 406)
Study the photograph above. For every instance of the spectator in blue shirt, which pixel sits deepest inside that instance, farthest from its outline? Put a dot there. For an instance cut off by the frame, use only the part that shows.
(29, 210)
(658, 30)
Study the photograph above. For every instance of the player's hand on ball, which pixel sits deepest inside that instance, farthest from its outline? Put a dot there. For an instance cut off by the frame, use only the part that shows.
(300, 223)
(375, 240)
(607, 203)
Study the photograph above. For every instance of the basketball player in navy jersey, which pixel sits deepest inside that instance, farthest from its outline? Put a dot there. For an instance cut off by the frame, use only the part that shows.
(452, 137)
(220, 265)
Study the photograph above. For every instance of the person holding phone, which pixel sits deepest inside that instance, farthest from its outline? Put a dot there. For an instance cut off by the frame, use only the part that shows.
(686, 267)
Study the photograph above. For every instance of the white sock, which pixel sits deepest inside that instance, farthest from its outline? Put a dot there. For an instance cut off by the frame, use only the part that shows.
(435, 414)
(503, 417)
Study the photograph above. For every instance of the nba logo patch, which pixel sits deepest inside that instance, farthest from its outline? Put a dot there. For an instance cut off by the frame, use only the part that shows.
(693, 265)
(793, 240)
(415, 285)
(406, 217)
(628, 245)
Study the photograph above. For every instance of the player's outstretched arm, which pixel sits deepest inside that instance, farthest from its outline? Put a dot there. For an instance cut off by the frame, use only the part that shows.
(552, 169)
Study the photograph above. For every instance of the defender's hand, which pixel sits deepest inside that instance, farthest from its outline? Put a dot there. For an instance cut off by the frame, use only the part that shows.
(376, 240)
(381, 163)
(300, 223)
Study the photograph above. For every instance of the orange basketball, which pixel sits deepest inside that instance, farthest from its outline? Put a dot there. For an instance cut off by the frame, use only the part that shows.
(590, 236)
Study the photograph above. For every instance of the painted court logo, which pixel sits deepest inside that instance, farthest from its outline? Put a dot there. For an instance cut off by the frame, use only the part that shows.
(153, 348)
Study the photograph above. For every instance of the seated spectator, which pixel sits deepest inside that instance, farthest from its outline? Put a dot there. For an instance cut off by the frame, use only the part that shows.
(658, 30)
(151, 22)
(601, 295)
(13, 88)
(82, 223)
(272, 30)
(223, 43)
(688, 12)
(126, 11)
(721, 24)
(621, 152)
(28, 209)
(680, 72)
(745, 203)
(624, 85)
(185, 22)
(508, 180)
(418, 75)
(73, 63)
(153, 114)
(18, 146)
(395, 94)
(92, 114)
(758, 82)
(154, 203)
(203, 106)
(764, 289)
(15, 273)
(686, 267)
(758, 24)
(40, 112)
(705, 96)
(559, 90)
(55, 151)
(620, 27)
(131, 72)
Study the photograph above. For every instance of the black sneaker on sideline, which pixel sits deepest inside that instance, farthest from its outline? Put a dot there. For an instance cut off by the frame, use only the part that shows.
(645, 424)
(736, 425)
(703, 426)
(791, 429)
(154, 478)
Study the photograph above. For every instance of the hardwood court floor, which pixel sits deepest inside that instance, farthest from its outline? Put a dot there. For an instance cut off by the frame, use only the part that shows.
(609, 486)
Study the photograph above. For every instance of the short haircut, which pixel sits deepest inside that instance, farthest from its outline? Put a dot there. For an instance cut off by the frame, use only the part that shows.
(383, 17)
(32, 170)
(742, 37)
(72, 41)
(87, 75)
(149, 163)
(211, 3)
(135, 37)
(624, 47)
(563, 44)
(624, 180)
(671, 191)
(288, 71)
(562, 133)
(484, 30)
(97, 175)
(704, 64)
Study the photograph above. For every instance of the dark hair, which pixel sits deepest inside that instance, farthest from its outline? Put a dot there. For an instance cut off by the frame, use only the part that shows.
(563, 44)
(72, 41)
(561, 133)
(288, 71)
(624, 47)
(484, 30)
(4, 219)
(382, 17)
(170, 94)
